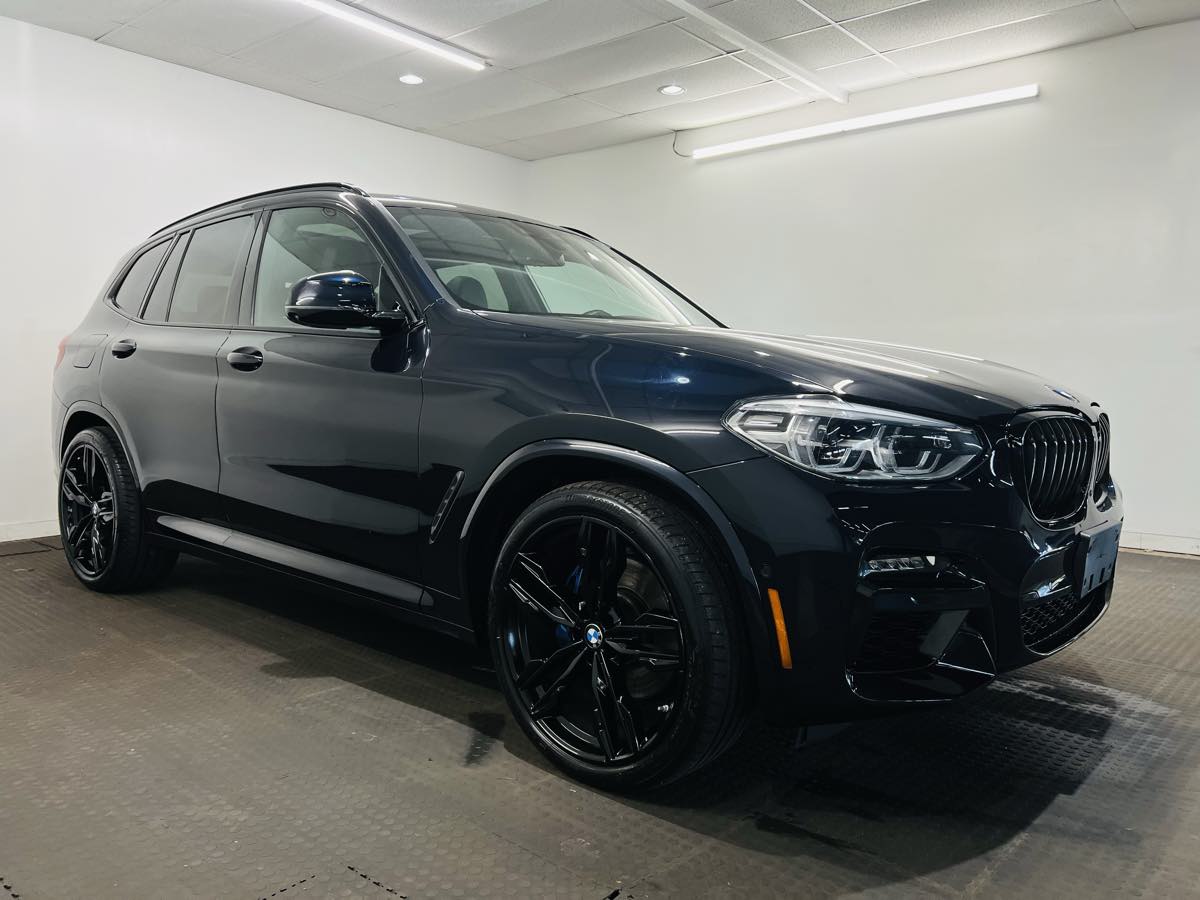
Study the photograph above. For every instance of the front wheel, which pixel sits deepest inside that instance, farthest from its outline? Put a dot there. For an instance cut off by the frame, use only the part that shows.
(615, 637)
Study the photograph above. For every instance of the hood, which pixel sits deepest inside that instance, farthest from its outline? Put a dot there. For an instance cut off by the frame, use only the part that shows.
(937, 383)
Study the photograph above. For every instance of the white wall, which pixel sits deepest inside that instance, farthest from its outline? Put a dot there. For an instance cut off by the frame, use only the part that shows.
(99, 147)
(1060, 236)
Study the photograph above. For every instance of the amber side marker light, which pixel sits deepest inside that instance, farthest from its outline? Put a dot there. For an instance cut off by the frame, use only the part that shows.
(785, 651)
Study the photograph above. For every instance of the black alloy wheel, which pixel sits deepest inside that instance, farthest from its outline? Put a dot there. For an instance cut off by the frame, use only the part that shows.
(87, 509)
(592, 640)
(100, 517)
(611, 636)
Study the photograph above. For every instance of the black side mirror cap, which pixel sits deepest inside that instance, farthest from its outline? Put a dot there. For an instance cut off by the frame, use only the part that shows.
(342, 299)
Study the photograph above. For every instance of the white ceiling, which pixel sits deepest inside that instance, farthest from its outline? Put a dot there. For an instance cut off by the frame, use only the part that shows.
(570, 75)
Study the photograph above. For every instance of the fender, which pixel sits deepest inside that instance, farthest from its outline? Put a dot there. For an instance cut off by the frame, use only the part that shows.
(99, 412)
(651, 466)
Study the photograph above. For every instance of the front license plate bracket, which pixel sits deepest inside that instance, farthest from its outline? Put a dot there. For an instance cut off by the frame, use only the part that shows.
(1096, 557)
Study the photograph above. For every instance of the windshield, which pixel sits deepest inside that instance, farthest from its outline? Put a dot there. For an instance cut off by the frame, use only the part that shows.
(504, 265)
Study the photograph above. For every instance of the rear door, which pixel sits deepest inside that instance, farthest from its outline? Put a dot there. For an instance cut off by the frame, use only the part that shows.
(318, 426)
(158, 376)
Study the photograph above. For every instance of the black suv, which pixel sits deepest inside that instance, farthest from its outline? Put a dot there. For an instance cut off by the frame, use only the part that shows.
(513, 433)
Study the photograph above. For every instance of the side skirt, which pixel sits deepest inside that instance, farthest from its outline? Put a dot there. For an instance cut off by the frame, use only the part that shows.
(395, 596)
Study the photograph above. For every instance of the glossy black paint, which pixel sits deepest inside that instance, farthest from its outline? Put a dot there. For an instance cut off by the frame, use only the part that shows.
(332, 300)
(331, 454)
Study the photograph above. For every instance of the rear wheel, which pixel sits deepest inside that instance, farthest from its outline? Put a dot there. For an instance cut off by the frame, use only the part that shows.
(100, 517)
(614, 638)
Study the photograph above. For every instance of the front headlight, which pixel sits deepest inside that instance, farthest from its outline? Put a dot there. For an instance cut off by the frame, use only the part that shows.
(824, 435)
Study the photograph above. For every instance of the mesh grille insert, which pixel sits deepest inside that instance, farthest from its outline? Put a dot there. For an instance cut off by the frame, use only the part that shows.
(1047, 624)
(893, 642)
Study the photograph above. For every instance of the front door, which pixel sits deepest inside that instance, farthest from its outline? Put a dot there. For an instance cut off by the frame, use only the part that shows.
(317, 427)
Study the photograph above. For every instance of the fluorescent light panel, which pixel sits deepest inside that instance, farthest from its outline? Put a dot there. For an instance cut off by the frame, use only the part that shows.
(395, 32)
(874, 120)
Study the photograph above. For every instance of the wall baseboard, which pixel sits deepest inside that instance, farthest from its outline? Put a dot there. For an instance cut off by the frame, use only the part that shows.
(19, 531)
(1167, 543)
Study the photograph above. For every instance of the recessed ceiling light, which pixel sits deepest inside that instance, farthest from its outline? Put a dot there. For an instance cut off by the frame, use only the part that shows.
(412, 79)
(672, 90)
(381, 26)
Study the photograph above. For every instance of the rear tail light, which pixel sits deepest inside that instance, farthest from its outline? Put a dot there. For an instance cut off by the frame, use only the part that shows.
(62, 351)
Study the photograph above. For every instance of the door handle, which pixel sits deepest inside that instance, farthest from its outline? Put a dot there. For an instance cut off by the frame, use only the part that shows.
(123, 348)
(245, 359)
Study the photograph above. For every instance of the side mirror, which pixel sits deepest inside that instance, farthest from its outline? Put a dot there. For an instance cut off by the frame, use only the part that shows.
(332, 300)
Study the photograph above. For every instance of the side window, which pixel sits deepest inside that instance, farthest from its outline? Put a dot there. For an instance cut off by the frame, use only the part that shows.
(474, 285)
(202, 289)
(160, 297)
(132, 292)
(304, 241)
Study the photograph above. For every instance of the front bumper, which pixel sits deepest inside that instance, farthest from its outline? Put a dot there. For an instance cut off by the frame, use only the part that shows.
(1003, 592)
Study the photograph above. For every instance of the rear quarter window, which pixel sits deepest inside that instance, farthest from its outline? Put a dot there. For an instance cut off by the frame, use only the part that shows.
(132, 292)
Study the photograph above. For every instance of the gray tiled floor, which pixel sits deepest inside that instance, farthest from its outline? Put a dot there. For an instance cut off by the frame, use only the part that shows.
(233, 735)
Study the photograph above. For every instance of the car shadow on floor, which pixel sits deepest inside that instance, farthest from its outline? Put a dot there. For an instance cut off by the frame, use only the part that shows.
(898, 796)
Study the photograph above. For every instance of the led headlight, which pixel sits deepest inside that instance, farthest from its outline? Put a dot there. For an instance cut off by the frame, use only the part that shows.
(824, 435)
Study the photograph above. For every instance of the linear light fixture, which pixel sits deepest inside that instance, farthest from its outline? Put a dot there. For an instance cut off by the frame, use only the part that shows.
(874, 120)
(395, 32)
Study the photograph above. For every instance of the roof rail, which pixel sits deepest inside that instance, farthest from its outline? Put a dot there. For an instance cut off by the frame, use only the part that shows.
(341, 185)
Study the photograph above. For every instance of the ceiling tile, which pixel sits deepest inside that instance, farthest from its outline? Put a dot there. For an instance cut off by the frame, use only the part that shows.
(821, 47)
(444, 18)
(117, 10)
(553, 115)
(492, 92)
(864, 74)
(248, 73)
(319, 93)
(642, 53)
(380, 80)
(72, 18)
(319, 50)
(841, 10)
(585, 137)
(225, 26)
(1068, 26)
(519, 150)
(936, 20)
(1144, 13)
(751, 101)
(747, 58)
(716, 76)
(765, 20)
(46, 12)
(467, 133)
(149, 43)
(552, 28)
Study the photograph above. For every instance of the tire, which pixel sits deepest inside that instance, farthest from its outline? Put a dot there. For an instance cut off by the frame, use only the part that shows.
(125, 559)
(669, 688)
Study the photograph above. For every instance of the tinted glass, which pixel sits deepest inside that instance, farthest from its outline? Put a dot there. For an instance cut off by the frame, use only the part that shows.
(489, 262)
(156, 308)
(474, 285)
(202, 294)
(307, 240)
(133, 289)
